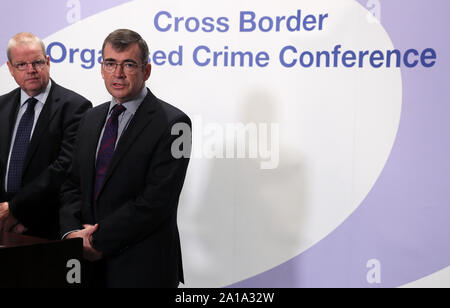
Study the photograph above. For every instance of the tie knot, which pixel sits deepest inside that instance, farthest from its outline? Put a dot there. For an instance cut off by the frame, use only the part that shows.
(117, 110)
(31, 103)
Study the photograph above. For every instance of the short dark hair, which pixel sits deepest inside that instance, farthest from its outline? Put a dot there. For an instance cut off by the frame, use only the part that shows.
(121, 39)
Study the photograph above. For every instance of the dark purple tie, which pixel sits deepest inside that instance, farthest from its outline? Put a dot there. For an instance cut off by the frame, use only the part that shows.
(20, 147)
(107, 146)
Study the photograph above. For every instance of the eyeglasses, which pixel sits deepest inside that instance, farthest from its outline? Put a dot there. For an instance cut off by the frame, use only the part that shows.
(23, 66)
(127, 67)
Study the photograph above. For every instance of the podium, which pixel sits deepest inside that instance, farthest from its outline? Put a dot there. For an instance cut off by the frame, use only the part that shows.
(31, 262)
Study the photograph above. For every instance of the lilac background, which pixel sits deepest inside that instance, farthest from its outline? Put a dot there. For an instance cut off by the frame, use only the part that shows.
(403, 222)
(42, 17)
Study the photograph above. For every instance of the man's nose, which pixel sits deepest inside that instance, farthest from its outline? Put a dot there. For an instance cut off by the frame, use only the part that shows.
(119, 72)
(31, 68)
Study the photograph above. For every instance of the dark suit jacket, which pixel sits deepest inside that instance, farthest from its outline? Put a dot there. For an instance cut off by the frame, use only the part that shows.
(48, 159)
(137, 207)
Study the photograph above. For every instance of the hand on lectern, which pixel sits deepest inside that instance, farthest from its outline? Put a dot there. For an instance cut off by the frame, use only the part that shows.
(19, 229)
(4, 214)
(89, 252)
(8, 223)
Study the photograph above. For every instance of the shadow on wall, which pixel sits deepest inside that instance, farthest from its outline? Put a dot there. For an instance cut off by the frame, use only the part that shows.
(248, 220)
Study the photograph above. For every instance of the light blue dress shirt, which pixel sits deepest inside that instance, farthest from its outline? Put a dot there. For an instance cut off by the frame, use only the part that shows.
(126, 117)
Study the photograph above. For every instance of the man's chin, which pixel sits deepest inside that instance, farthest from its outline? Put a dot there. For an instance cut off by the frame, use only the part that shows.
(33, 91)
(119, 96)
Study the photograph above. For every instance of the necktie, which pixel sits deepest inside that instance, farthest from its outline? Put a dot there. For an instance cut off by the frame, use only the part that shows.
(20, 147)
(107, 146)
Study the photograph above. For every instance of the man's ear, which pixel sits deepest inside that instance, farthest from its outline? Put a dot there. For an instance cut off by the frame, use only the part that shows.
(10, 67)
(148, 71)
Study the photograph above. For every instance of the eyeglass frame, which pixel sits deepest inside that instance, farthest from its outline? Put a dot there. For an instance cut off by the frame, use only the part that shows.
(37, 65)
(136, 66)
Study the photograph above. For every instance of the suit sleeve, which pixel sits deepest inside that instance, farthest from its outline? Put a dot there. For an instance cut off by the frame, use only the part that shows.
(70, 196)
(29, 206)
(144, 215)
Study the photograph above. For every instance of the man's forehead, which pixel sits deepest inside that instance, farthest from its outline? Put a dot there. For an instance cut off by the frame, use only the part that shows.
(131, 53)
(26, 50)
(132, 49)
(27, 46)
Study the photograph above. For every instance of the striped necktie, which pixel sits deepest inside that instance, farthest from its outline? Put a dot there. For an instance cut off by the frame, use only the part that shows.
(107, 146)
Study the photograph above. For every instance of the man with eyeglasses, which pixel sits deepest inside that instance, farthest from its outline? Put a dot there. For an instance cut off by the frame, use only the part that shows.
(123, 190)
(38, 125)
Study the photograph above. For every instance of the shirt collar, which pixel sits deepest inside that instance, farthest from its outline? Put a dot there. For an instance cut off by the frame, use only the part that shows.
(131, 105)
(41, 97)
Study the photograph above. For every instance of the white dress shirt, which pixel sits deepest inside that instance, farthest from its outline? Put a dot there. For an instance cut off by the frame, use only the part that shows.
(42, 97)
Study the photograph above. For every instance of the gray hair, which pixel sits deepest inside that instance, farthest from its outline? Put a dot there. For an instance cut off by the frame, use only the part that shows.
(24, 38)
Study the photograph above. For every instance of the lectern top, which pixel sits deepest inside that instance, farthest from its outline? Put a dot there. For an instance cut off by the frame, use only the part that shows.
(8, 240)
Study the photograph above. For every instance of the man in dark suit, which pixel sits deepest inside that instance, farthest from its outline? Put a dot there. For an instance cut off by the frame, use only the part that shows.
(123, 190)
(38, 125)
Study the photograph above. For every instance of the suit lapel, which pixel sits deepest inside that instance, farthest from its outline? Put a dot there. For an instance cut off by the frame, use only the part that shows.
(8, 117)
(48, 111)
(96, 125)
(140, 121)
